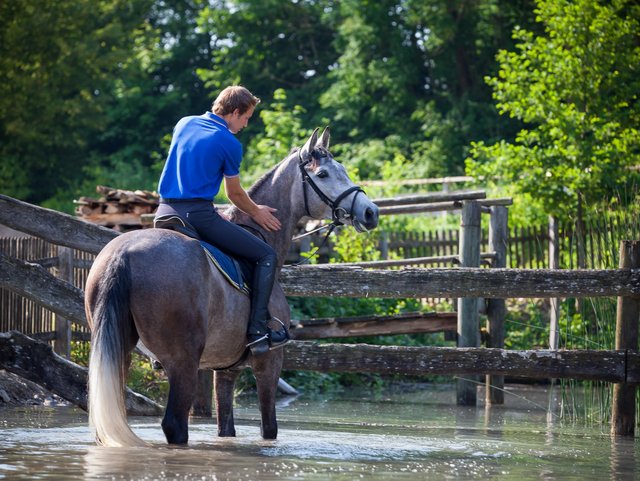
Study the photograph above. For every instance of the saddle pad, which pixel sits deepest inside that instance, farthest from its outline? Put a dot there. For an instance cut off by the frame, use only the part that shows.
(227, 265)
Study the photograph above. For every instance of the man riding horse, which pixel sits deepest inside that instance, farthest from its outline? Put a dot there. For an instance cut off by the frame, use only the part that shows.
(204, 152)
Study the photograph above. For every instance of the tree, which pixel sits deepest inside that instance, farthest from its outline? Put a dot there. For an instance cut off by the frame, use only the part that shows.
(409, 78)
(378, 75)
(58, 60)
(109, 78)
(160, 86)
(283, 130)
(576, 89)
(268, 45)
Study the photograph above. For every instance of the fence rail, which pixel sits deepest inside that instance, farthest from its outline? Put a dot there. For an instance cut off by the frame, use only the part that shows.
(527, 249)
(34, 282)
(18, 312)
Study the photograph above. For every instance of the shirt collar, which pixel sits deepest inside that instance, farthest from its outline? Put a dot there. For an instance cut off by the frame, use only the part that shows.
(217, 119)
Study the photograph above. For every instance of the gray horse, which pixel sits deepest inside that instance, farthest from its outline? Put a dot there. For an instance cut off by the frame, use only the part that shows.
(158, 287)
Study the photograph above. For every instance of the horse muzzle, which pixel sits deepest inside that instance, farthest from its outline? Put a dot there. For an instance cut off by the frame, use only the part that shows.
(365, 217)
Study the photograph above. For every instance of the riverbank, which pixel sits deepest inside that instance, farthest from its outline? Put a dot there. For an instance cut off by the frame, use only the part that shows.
(16, 391)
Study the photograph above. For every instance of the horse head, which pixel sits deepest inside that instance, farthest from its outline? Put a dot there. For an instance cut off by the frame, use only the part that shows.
(334, 195)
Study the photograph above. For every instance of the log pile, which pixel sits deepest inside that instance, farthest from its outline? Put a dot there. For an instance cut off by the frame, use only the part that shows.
(118, 209)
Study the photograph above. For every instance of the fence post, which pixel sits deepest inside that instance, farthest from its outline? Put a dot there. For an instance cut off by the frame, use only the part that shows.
(496, 308)
(623, 405)
(62, 344)
(468, 318)
(202, 403)
(554, 263)
(384, 245)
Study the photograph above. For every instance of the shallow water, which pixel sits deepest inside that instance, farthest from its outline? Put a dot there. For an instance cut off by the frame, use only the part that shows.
(411, 436)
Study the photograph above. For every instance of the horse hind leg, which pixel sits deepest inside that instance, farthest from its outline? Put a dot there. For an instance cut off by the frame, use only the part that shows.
(223, 387)
(183, 378)
(267, 373)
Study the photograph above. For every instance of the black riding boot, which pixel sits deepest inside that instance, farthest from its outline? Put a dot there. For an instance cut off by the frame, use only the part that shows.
(261, 337)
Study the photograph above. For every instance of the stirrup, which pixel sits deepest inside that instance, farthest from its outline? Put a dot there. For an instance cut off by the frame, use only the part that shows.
(260, 345)
(271, 340)
(278, 338)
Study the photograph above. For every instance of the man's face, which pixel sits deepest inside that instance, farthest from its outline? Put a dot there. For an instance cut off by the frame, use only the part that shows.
(238, 121)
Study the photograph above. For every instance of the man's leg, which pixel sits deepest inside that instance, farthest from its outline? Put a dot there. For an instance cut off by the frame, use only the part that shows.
(236, 241)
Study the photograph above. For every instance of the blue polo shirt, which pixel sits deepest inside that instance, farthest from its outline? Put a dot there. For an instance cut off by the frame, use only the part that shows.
(202, 152)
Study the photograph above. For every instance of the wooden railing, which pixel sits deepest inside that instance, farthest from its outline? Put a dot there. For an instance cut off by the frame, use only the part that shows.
(621, 366)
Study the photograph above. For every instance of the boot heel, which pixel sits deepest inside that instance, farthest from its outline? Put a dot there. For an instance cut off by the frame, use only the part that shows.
(259, 346)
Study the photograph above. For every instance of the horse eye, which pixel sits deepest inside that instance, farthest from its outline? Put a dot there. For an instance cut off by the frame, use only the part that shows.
(322, 174)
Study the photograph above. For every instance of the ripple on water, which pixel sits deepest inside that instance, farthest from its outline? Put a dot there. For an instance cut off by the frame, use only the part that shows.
(460, 448)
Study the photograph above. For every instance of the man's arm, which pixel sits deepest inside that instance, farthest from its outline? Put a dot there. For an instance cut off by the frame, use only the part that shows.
(261, 214)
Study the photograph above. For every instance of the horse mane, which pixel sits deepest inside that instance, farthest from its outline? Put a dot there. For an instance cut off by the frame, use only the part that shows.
(270, 173)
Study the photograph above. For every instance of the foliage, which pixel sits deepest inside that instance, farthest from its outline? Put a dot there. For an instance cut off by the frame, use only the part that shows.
(527, 325)
(575, 87)
(268, 45)
(146, 380)
(57, 61)
(142, 377)
(375, 78)
(88, 90)
(107, 80)
(80, 353)
(352, 246)
(283, 130)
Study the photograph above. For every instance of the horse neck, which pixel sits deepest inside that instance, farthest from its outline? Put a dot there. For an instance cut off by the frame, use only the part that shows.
(281, 189)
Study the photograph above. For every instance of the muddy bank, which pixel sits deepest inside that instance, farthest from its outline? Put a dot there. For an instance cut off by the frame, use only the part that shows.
(17, 391)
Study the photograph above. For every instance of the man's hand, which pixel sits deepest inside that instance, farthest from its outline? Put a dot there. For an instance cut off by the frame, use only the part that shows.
(261, 214)
(264, 218)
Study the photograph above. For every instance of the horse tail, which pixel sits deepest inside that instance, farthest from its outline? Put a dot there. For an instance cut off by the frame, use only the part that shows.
(111, 334)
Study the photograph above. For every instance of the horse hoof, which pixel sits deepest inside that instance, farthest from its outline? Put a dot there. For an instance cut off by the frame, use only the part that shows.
(270, 433)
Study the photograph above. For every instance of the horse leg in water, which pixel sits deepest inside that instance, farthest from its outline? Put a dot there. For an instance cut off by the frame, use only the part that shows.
(224, 382)
(266, 370)
(183, 379)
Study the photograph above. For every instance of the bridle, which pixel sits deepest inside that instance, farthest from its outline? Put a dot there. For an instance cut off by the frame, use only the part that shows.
(337, 213)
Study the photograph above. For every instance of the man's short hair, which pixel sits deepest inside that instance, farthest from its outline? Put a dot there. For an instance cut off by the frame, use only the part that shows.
(232, 98)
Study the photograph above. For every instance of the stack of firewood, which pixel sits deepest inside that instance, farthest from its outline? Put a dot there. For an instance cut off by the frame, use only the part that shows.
(117, 208)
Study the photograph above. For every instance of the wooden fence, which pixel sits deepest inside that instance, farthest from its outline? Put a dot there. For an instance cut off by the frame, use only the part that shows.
(17, 312)
(30, 317)
(468, 283)
(528, 248)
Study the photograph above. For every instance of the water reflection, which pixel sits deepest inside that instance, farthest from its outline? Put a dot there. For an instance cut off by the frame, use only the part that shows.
(413, 436)
(624, 460)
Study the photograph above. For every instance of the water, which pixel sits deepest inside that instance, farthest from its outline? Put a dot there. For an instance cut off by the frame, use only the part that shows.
(411, 436)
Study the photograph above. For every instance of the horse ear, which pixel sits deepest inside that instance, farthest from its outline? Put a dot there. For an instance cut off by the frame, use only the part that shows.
(325, 138)
(309, 146)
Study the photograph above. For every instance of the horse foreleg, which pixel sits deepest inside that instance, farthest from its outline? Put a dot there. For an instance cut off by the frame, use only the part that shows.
(224, 382)
(266, 370)
(183, 378)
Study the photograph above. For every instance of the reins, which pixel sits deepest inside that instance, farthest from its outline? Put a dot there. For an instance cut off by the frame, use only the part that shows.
(331, 227)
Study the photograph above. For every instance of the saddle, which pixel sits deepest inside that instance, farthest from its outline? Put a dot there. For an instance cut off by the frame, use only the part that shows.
(235, 271)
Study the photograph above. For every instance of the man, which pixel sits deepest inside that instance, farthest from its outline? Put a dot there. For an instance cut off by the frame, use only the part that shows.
(204, 153)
